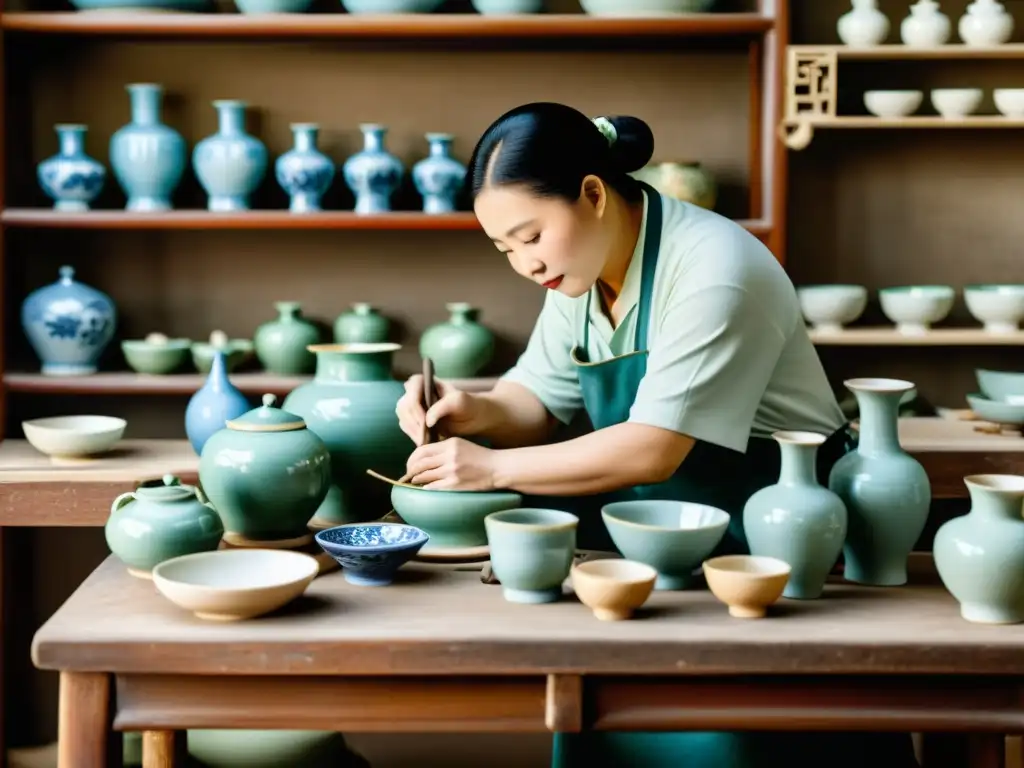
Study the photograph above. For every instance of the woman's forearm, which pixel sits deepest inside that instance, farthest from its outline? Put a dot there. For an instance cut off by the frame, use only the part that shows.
(512, 416)
(608, 459)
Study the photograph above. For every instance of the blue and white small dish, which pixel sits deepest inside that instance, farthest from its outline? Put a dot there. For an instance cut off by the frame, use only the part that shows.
(371, 553)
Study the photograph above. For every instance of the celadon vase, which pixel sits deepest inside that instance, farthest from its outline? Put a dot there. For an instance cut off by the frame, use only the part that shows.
(980, 555)
(460, 347)
(281, 344)
(350, 404)
(155, 523)
(266, 474)
(797, 520)
(363, 324)
(886, 491)
(230, 164)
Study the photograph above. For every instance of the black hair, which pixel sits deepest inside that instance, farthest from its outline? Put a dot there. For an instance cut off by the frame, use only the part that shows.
(549, 148)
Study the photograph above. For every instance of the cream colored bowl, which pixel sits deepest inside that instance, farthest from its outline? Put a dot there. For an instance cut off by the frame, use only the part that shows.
(1009, 101)
(613, 588)
(830, 307)
(892, 103)
(73, 436)
(233, 584)
(748, 584)
(1000, 307)
(954, 103)
(914, 308)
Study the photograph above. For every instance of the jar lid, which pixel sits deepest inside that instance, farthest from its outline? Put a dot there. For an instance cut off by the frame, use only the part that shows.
(267, 418)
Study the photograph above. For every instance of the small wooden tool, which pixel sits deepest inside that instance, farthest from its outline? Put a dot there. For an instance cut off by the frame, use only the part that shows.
(429, 397)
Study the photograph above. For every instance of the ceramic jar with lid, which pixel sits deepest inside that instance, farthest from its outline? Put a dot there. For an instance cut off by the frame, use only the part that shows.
(986, 23)
(266, 474)
(863, 25)
(154, 523)
(926, 26)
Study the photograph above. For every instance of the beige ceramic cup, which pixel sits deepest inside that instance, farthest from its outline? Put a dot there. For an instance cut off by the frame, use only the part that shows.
(748, 584)
(613, 588)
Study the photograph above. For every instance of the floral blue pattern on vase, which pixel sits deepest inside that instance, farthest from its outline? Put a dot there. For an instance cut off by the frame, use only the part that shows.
(147, 157)
(230, 164)
(304, 172)
(68, 324)
(439, 177)
(71, 178)
(213, 405)
(373, 174)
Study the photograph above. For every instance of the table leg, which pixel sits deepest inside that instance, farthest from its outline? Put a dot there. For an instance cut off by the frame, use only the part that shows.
(83, 720)
(986, 750)
(163, 749)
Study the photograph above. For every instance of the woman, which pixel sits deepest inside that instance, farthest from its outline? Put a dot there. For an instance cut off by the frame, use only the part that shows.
(675, 331)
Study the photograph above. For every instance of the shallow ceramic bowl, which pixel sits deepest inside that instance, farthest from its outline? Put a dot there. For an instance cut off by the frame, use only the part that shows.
(997, 411)
(913, 308)
(74, 436)
(371, 553)
(1006, 386)
(830, 307)
(673, 537)
(952, 103)
(1009, 101)
(452, 519)
(748, 584)
(236, 352)
(892, 103)
(613, 588)
(645, 7)
(157, 358)
(391, 6)
(233, 584)
(999, 308)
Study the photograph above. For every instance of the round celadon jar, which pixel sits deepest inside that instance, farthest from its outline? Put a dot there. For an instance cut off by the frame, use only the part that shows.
(266, 474)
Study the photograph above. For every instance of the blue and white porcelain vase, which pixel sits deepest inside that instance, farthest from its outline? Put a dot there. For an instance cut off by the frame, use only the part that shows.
(886, 490)
(439, 177)
(374, 174)
(147, 157)
(213, 405)
(68, 324)
(230, 164)
(71, 178)
(304, 172)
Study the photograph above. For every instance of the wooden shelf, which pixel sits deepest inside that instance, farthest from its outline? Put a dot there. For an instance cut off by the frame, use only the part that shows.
(400, 26)
(937, 337)
(897, 52)
(919, 121)
(129, 383)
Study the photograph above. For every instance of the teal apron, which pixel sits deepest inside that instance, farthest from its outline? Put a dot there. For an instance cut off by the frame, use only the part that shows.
(725, 479)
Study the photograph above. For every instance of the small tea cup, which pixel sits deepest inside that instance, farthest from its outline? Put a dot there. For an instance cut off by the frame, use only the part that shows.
(532, 551)
(613, 588)
(748, 584)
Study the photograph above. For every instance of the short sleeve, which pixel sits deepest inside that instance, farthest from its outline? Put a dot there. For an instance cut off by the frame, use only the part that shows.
(546, 367)
(713, 355)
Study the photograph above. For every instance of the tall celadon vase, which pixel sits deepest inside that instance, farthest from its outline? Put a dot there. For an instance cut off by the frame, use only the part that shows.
(461, 347)
(373, 174)
(980, 555)
(71, 178)
(797, 520)
(350, 404)
(304, 172)
(886, 491)
(148, 157)
(230, 164)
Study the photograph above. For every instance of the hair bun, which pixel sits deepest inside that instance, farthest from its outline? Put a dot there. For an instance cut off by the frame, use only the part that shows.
(634, 145)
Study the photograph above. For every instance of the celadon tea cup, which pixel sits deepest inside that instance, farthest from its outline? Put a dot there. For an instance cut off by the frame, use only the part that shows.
(532, 551)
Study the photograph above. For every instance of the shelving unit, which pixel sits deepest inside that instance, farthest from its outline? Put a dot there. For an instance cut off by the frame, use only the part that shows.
(936, 337)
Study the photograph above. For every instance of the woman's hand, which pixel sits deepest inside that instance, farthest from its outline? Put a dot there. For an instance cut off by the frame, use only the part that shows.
(452, 464)
(455, 411)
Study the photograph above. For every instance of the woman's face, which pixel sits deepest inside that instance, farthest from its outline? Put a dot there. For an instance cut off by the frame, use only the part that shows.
(557, 244)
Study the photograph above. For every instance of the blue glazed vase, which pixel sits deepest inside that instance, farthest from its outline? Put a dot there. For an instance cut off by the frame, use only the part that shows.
(797, 520)
(71, 178)
(373, 174)
(147, 157)
(304, 172)
(886, 491)
(68, 325)
(210, 408)
(230, 164)
(439, 177)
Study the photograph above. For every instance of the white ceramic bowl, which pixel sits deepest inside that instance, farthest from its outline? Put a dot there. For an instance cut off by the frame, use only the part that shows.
(1000, 308)
(915, 307)
(233, 584)
(953, 103)
(1009, 101)
(830, 307)
(73, 436)
(893, 103)
(644, 7)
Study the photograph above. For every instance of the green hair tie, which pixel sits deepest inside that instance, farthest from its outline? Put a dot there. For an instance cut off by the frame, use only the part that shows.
(604, 125)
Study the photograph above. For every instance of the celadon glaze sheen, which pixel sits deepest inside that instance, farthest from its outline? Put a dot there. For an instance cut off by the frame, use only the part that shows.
(886, 491)
(350, 404)
(980, 555)
(797, 520)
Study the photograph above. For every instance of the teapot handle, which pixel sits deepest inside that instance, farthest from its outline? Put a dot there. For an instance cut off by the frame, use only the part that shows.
(121, 500)
(199, 495)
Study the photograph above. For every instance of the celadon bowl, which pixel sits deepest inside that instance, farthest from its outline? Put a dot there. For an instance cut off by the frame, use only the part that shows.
(892, 103)
(830, 307)
(645, 7)
(673, 537)
(74, 436)
(1005, 386)
(914, 308)
(156, 354)
(997, 411)
(452, 519)
(236, 351)
(999, 308)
